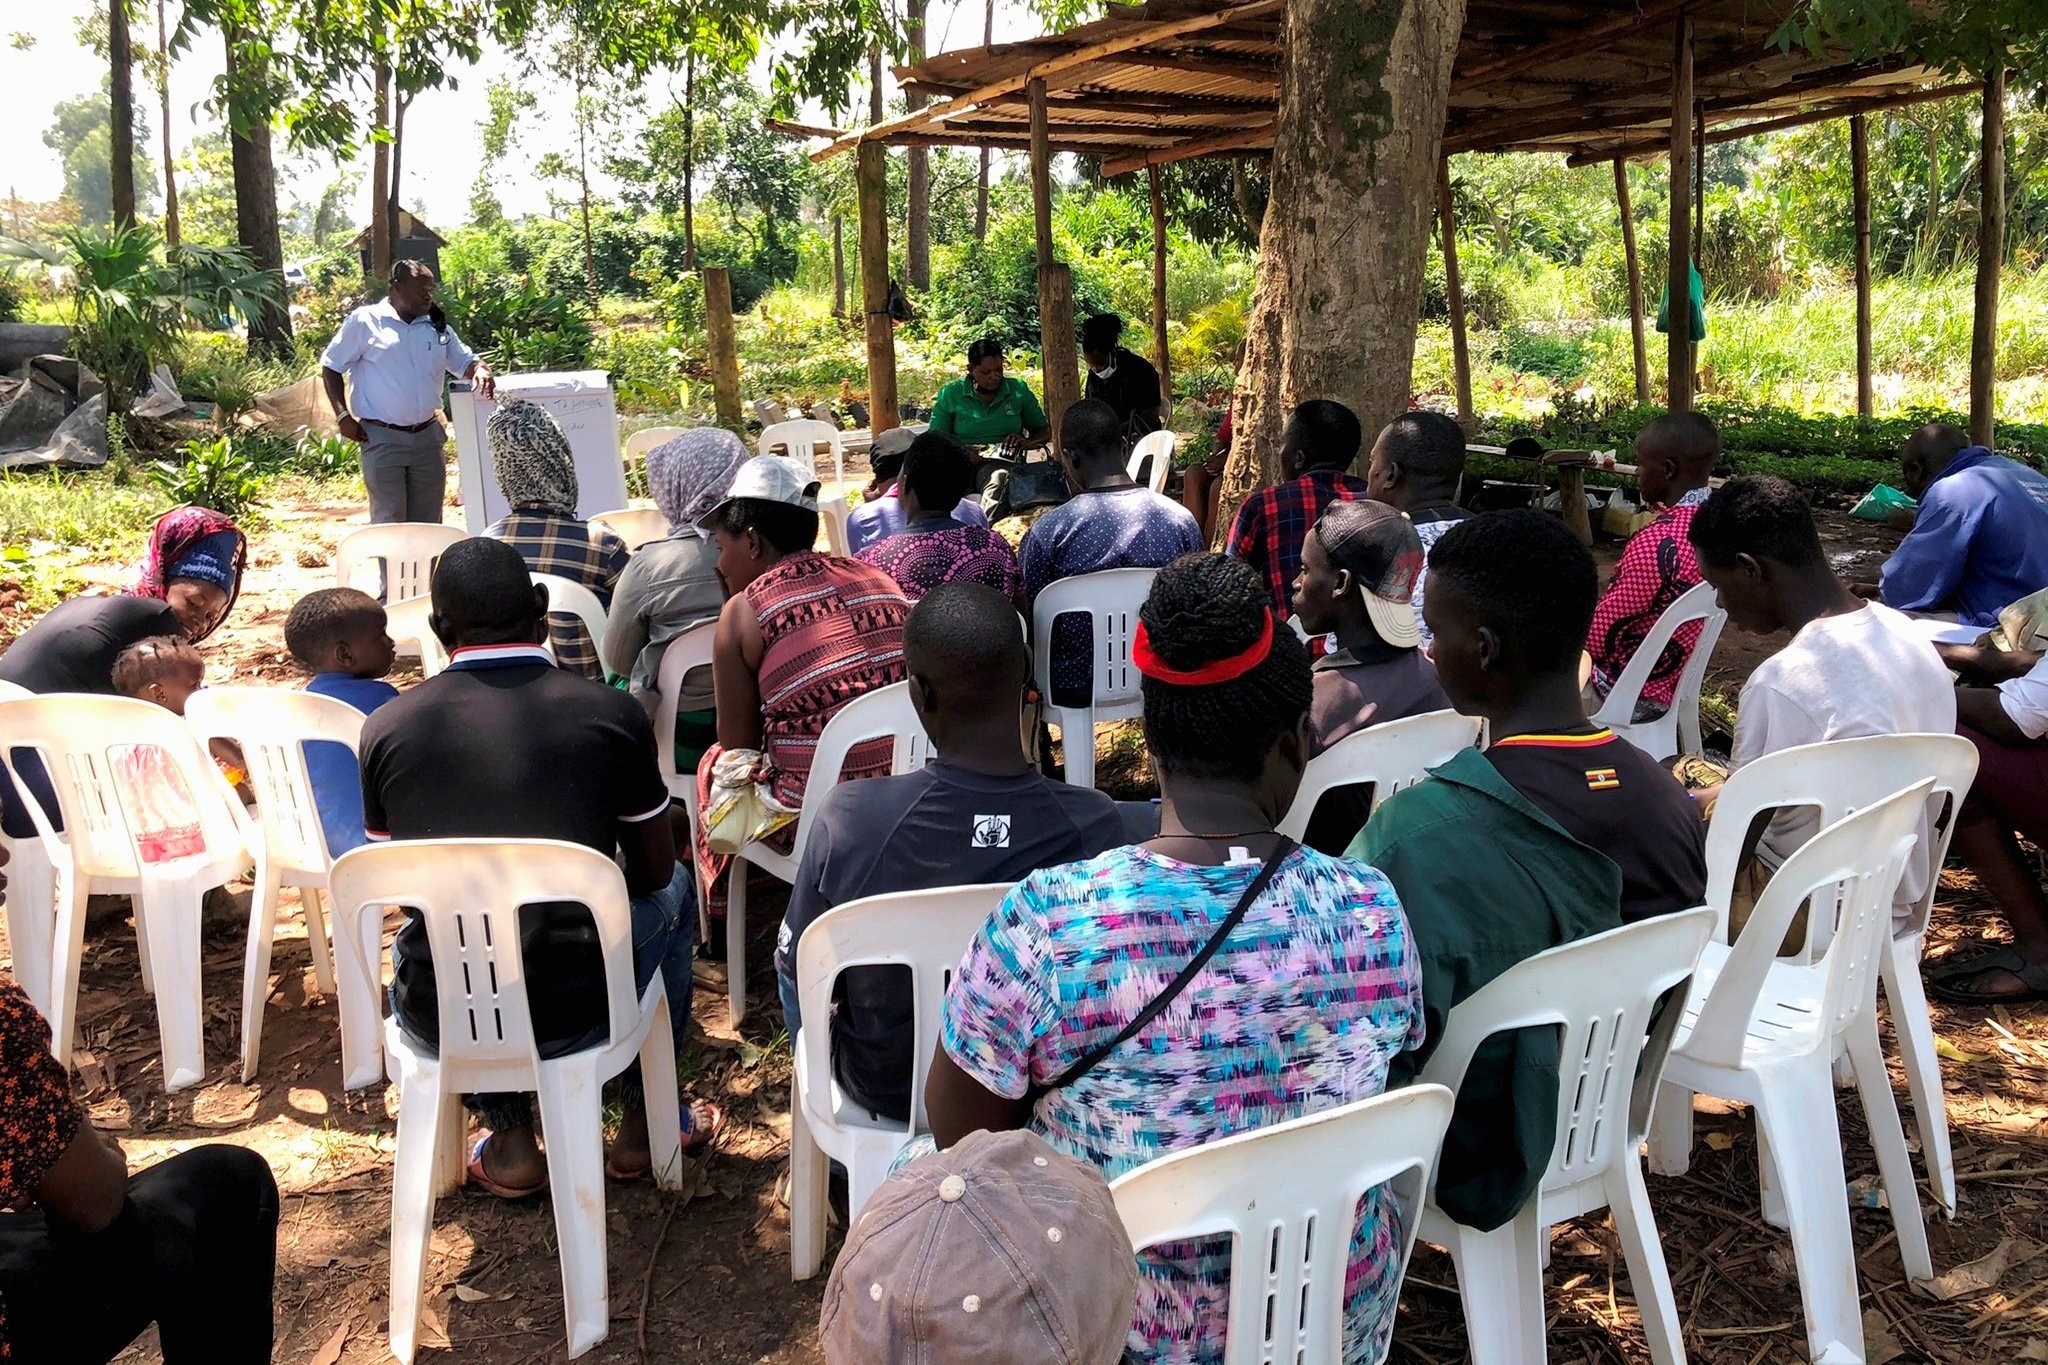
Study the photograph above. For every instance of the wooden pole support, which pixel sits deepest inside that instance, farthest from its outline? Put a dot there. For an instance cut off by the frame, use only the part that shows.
(1678, 279)
(1990, 258)
(1041, 173)
(872, 173)
(1859, 174)
(1160, 358)
(1635, 282)
(1571, 502)
(718, 337)
(1454, 294)
(1056, 335)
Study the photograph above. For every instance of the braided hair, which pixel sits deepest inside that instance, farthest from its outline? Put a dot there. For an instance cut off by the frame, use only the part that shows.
(1202, 608)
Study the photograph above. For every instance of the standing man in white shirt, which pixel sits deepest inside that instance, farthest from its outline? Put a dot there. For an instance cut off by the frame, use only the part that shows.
(394, 354)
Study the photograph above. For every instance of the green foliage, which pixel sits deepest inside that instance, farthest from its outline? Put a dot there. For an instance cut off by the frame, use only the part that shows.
(80, 133)
(220, 474)
(325, 457)
(517, 324)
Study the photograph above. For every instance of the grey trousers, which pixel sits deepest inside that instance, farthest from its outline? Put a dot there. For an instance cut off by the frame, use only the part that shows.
(406, 472)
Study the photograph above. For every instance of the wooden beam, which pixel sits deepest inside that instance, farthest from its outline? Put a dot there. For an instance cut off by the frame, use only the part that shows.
(872, 176)
(1859, 178)
(718, 339)
(1249, 70)
(1578, 41)
(1138, 36)
(1160, 358)
(1454, 292)
(1041, 173)
(788, 129)
(1258, 135)
(1056, 345)
(1990, 259)
(1822, 114)
(1635, 282)
(1678, 279)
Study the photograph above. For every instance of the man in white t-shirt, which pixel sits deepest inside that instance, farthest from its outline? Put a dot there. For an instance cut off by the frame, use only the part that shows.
(1851, 669)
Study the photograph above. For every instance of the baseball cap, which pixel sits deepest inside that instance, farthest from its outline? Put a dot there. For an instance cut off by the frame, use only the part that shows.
(997, 1251)
(771, 478)
(1379, 547)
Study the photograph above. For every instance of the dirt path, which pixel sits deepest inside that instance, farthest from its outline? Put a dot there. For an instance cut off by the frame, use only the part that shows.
(710, 1283)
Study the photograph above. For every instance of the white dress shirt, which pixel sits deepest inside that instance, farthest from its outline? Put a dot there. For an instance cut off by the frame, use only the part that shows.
(2025, 700)
(394, 368)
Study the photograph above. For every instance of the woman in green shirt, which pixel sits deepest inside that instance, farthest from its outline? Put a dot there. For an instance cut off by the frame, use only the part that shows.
(986, 409)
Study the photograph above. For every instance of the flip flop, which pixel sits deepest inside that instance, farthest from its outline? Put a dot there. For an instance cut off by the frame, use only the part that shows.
(482, 1180)
(694, 1139)
(1945, 979)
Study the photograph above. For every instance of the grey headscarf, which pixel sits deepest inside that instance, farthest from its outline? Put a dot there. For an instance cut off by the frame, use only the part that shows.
(692, 474)
(534, 464)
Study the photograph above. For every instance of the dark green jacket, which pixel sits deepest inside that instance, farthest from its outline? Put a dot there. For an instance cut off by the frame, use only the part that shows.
(1487, 880)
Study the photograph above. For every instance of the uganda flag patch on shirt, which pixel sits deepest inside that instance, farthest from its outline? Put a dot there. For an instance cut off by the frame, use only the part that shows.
(1602, 779)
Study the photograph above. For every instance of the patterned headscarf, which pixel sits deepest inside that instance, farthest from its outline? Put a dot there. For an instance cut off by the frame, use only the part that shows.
(692, 474)
(194, 542)
(534, 464)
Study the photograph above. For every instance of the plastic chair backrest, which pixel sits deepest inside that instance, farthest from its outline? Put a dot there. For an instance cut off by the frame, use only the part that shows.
(800, 440)
(646, 439)
(634, 525)
(407, 623)
(1840, 776)
(691, 649)
(1855, 864)
(884, 713)
(273, 724)
(1601, 994)
(1287, 1197)
(1697, 603)
(832, 518)
(468, 893)
(1159, 445)
(1112, 599)
(13, 691)
(565, 595)
(408, 550)
(1391, 756)
(926, 931)
(76, 735)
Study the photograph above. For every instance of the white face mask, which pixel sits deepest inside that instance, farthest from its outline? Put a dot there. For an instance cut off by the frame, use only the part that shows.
(1104, 374)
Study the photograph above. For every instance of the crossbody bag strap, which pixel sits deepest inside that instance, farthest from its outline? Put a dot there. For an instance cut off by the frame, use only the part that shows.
(1159, 1002)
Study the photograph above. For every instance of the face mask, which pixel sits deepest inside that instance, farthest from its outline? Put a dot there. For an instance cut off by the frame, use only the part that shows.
(1104, 374)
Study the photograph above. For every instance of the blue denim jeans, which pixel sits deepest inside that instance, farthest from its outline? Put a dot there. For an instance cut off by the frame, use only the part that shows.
(664, 934)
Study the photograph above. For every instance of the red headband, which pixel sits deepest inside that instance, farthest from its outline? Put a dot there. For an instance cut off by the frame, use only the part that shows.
(1217, 671)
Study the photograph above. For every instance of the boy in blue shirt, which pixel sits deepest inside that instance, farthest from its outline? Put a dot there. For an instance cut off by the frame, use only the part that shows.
(338, 635)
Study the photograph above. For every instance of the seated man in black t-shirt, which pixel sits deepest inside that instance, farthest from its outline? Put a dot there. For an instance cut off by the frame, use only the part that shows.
(504, 745)
(980, 812)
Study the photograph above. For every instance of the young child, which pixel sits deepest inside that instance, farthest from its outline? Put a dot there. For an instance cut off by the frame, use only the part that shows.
(338, 635)
(166, 671)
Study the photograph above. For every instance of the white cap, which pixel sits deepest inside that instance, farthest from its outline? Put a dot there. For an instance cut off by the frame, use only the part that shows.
(771, 478)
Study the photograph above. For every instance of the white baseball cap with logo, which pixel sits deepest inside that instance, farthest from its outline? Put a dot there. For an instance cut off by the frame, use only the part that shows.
(771, 478)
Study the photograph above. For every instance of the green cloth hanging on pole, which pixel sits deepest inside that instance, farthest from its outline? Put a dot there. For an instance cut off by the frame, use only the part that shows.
(1698, 291)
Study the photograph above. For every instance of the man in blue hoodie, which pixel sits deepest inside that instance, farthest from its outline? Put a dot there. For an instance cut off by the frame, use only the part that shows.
(1980, 542)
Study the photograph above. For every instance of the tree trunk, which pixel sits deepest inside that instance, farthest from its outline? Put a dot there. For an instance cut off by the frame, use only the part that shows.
(917, 222)
(988, 38)
(838, 265)
(380, 178)
(1859, 188)
(172, 234)
(1363, 86)
(393, 230)
(1990, 259)
(583, 188)
(270, 331)
(1678, 278)
(689, 162)
(121, 117)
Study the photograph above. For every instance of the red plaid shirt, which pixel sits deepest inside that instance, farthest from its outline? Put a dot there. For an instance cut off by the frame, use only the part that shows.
(1274, 521)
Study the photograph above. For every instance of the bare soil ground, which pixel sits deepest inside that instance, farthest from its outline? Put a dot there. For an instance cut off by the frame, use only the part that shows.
(703, 1277)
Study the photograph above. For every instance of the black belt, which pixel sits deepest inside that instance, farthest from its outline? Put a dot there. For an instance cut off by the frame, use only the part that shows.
(393, 426)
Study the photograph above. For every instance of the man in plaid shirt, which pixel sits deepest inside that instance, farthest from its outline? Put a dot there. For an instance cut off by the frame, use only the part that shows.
(1319, 444)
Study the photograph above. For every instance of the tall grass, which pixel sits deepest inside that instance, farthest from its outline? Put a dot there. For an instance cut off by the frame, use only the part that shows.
(89, 510)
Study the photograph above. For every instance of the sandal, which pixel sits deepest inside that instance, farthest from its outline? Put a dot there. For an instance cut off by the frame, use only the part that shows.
(483, 1181)
(695, 1138)
(1951, 979)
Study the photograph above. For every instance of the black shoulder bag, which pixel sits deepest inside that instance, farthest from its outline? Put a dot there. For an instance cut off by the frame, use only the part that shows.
(1094, 1057)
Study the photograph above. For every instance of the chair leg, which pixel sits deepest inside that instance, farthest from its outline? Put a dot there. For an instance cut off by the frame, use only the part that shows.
(573, 1119)
(809, 1172)
(31, 918)
(256, 971)
(1628, 1203)
(1501, 1284)
(421, 1116)
(1671, 1130)
(1900, 971)
(1796, 1106)
(361, 1011)
(1888, 1136)
(1770, 1199)
(170, 919)
(664, 1105)
(317, 939)
(736, 942)
(1077, 735)
(69, 945)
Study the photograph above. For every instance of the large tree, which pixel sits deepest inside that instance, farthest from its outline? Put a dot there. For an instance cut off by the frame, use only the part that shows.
(1363, 89)
(80, 135)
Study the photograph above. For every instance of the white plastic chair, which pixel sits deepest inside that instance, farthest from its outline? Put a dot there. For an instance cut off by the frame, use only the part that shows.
(1840, 777)
(691, 649)
(406, 550)
(1287, 1197)
(77, 736)
(1159, 445)
(646, 439)
(833, 514)
(1763, 1031)
(1677, 731)
(1600, 994)
(634, 525)
(272, 725)
(468, 893)
(800, 440)
(30, 883)
(926, 931)
(568, 597)
(1390, 756)
(1111, 600)
(884, 713)
(407, 623)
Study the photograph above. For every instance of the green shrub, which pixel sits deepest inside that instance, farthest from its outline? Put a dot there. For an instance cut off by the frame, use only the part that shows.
(517, 324)
(220, 474)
